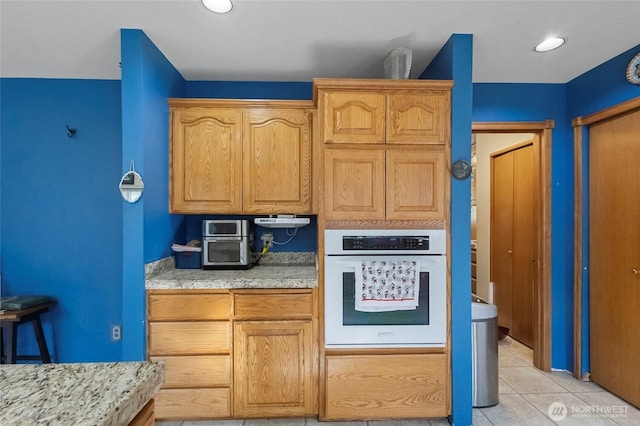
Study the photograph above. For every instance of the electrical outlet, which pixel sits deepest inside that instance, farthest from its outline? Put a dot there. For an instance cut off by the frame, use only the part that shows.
(116, 333)
(267, 238)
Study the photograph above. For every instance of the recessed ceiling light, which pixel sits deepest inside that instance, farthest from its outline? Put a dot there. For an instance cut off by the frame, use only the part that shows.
(549, 44)
(218, 6)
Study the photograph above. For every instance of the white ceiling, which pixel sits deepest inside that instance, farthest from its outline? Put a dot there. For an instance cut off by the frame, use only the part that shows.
(297, 40)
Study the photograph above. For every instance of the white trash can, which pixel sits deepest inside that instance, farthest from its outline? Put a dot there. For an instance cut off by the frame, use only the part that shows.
(484, 334)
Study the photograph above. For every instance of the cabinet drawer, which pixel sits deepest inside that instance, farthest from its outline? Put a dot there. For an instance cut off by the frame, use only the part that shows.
(274, 306)
(197, 306)
(386, 386)
(192, 403)
(189, 338)
(196, 371)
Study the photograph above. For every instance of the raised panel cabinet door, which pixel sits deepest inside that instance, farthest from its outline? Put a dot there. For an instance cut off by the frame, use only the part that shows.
(274, 369)
(354, 184)
(206, 160)
(415, 183)
(277, 161)
(418, 118)
(353, 117)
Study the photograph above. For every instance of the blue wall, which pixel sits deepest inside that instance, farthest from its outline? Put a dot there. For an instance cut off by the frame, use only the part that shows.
(602, 87)
(454, 62)
(61, 211)
(537, 103)
(148, 79)
(598, 89)
(249, 90)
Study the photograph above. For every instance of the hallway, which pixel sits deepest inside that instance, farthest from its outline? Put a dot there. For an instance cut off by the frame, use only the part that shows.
(526, 395)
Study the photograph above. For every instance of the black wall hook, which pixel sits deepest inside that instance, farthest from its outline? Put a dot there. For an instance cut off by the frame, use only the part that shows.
(71, 132)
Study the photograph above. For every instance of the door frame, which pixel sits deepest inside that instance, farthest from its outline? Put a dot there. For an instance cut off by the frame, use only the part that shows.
(580, 145)
(542, 288)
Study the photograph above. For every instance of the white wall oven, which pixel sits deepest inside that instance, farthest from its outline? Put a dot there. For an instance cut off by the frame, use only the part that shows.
(385, 288)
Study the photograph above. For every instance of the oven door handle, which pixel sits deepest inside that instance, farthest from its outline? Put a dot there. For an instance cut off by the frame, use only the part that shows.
(350, 264)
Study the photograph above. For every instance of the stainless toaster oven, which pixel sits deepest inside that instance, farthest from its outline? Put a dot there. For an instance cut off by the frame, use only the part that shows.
(226, 244)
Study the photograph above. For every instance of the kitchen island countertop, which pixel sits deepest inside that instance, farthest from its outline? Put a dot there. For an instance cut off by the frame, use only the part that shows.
(109, 393)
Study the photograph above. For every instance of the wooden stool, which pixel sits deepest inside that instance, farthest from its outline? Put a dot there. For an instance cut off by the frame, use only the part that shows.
(9, 320)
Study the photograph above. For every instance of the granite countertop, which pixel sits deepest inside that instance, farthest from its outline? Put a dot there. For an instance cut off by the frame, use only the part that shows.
(291, 271)
(77, 394)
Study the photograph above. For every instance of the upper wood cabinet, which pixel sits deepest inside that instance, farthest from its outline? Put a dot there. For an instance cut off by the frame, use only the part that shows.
(418, 117)
(206, 160)
(387, 145)
(378, 184)
(229, 156)
(277, 161)
(385, 111)
(353, 117)
(415, 184)
(354, 182)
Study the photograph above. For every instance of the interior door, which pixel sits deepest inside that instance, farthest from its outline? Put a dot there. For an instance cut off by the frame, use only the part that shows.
(502, 236)
(514, 229)
(524, 244)
(614, 255)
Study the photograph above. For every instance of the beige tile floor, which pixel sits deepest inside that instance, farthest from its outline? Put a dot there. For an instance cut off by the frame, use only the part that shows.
(526, 395)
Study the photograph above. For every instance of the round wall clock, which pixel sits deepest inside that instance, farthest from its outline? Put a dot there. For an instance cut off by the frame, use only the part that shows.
(461, 169)
(633, 70)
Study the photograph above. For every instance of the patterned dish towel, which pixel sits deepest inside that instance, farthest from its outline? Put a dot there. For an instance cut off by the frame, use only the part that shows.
(384, 285)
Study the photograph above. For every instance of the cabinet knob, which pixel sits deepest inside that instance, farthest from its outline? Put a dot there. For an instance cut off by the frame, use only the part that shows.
(510, 251)
(635, 271)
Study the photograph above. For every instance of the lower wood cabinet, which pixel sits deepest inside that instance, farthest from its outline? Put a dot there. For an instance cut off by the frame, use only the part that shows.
(191, 332)
(239, 353)
(386, 386)
(145, 417)
(193, 404)
(273, 369)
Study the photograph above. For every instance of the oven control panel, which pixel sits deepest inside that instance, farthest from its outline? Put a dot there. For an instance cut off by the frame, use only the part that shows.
(384, 242)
